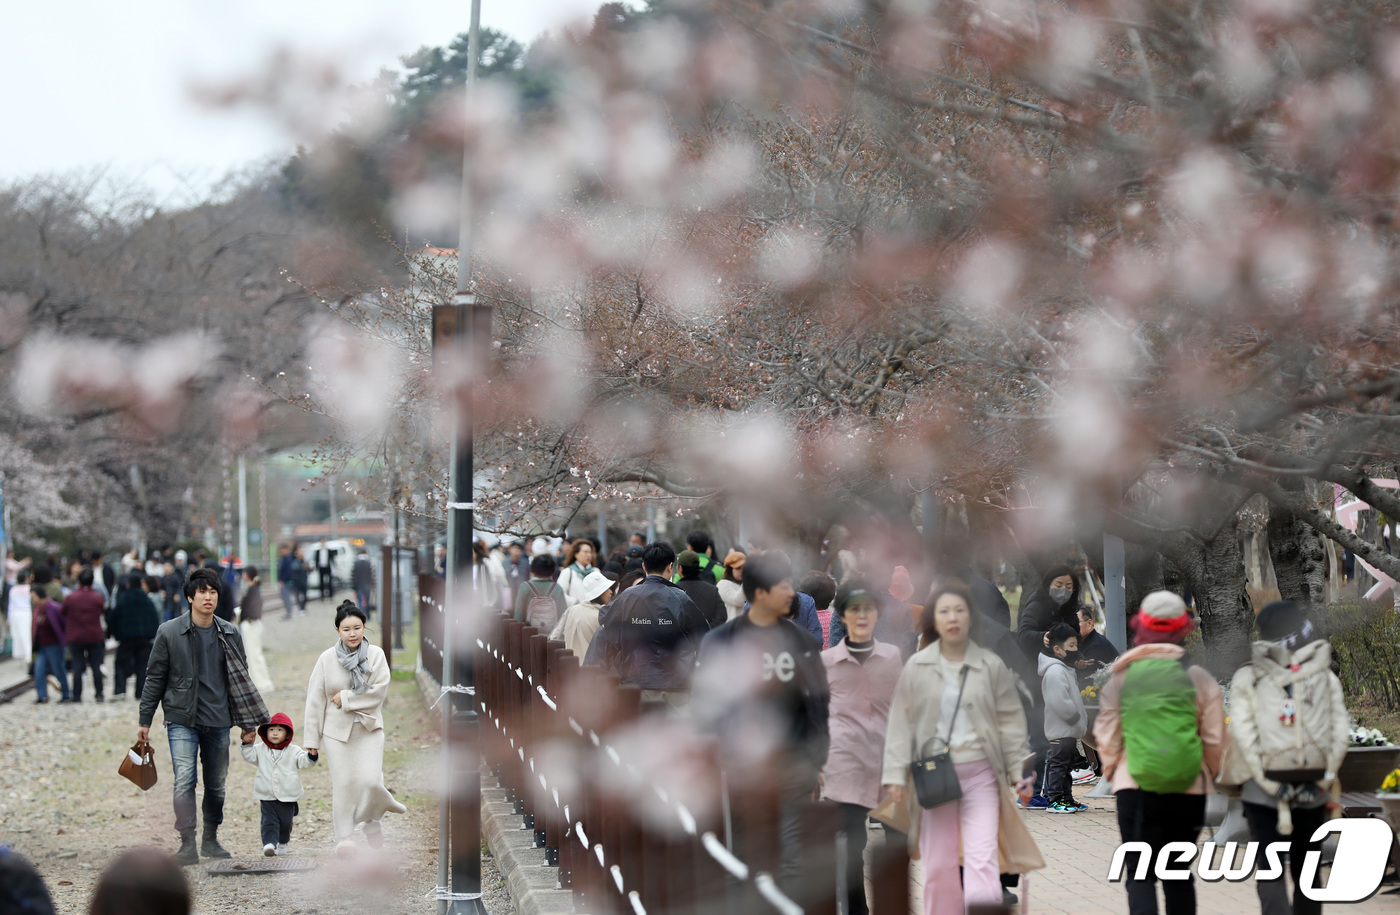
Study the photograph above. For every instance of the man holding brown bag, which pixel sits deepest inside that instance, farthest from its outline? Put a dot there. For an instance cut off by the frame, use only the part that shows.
(199, 673)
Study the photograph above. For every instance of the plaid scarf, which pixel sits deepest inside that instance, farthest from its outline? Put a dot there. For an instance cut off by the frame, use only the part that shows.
(245, 703)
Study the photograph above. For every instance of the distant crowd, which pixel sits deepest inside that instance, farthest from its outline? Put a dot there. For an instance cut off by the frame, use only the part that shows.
(940, 718)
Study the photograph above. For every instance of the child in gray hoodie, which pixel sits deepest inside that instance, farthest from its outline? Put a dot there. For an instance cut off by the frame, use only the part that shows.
(1065, 718)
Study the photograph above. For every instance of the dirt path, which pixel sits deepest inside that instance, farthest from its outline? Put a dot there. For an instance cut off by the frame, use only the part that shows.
(63, 806)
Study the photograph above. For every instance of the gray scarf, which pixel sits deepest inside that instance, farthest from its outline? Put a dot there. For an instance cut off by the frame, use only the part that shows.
(357, 662)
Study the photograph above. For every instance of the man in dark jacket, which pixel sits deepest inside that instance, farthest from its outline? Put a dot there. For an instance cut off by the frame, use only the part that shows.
(133, 623)
(285, 574)
(83, 610)
(761, 675)
(650, 633)
(198, 674)
(1095, 650)
(362, 580)
(701, 589)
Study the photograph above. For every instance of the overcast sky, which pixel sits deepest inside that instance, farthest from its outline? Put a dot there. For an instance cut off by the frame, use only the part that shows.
(88, 83)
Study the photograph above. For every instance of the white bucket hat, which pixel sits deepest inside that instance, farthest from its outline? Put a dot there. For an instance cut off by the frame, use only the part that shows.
(594, 584)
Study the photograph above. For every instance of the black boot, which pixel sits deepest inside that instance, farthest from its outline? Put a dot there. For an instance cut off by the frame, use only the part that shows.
(210, 847)
(187, 854)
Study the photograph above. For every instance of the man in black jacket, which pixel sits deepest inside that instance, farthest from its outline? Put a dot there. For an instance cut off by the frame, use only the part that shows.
(198, 673)
(650, 633)
(759, 676)
(701, 588)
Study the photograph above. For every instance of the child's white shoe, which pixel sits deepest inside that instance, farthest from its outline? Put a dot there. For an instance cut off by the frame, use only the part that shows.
(269, 850)
(281, 848)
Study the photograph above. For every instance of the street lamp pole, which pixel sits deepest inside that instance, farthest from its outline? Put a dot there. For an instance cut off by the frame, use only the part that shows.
(459, 824)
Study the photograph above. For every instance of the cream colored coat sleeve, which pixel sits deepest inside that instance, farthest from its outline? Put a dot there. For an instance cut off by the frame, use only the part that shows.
(899, 736)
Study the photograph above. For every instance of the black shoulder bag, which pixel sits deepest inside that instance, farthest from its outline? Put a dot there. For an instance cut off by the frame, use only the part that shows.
(935, 780)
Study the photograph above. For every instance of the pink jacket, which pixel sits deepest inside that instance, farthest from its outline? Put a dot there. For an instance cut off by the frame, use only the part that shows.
(859, 714)
(1210, 719)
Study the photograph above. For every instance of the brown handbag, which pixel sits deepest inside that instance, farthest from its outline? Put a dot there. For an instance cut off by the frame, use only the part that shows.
(139, 766)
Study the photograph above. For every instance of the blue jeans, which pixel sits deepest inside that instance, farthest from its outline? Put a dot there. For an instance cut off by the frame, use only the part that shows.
(49, 660)
(187, 744)
(285, 589)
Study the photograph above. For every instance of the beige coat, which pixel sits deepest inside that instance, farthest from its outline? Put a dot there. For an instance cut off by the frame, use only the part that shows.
(329, 678)
(993, 708)
(1258, 742)
(577, 627)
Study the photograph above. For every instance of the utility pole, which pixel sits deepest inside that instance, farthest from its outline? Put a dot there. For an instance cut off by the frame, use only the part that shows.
(1115, 611)
(242, 510)
(265, 553)
(464, 330)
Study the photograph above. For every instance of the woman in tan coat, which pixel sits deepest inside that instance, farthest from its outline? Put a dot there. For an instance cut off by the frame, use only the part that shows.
(344, 719)
(954, 690)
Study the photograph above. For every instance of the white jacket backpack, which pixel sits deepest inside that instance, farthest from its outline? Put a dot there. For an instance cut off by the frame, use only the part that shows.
(1262, 742)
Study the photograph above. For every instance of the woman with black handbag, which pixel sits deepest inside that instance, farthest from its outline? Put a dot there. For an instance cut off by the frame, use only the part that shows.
(955, 747)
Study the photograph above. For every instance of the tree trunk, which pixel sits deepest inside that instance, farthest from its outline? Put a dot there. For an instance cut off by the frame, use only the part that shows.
(1299, 559)
(1223, 608)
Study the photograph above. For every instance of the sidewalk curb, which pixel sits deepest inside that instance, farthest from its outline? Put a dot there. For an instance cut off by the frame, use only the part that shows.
(533, 887)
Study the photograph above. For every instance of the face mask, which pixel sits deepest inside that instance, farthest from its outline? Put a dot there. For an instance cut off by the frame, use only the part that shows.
(1060, 596)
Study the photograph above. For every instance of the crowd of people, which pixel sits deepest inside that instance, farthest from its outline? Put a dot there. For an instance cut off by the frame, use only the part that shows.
(846, 690)
(840, 687)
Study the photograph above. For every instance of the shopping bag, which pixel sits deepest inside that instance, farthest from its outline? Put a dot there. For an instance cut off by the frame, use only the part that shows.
(139, 766)
(895, 816)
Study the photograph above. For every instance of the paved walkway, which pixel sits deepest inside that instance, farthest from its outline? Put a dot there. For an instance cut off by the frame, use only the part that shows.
(1078, 848)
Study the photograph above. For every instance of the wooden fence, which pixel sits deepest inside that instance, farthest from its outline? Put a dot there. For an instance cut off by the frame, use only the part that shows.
(432, 598)
(621, 841)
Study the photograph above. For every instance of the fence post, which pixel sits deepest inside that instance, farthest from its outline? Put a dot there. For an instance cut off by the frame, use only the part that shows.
(541, 722)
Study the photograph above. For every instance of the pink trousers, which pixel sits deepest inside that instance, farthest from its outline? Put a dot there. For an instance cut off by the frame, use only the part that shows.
(972, 824)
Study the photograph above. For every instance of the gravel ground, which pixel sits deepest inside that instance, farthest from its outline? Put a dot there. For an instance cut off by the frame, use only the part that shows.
(63, 806)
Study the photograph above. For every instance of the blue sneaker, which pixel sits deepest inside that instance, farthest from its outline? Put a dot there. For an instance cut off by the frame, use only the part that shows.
(1062, 807)
(1039, 802)
(1080, 805)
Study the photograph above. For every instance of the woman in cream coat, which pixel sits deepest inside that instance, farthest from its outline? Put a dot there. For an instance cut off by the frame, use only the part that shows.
(344, 719)
(989, 745)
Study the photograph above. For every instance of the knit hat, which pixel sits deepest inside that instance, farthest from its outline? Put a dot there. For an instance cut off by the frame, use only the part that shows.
(281, 719)
(1283, 621)
(1163, 617)
(688, 559)
(901, 588)
(735, 560)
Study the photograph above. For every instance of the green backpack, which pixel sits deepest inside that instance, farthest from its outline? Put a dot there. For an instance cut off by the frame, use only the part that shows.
(1159, 725)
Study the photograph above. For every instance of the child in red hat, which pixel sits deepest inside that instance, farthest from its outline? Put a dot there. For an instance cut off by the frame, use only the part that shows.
(277, 786)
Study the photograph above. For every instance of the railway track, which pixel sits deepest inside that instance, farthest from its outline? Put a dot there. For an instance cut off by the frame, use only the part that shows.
(9, 693)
